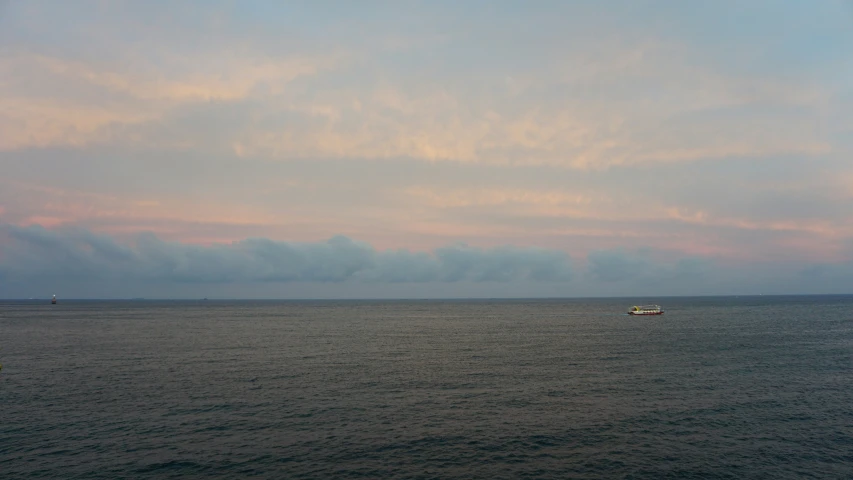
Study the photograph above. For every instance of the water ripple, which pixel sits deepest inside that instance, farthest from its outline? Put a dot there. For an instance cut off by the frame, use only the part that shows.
(716, 388)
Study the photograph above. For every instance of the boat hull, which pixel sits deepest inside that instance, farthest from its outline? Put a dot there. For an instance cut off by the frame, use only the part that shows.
(645, 310)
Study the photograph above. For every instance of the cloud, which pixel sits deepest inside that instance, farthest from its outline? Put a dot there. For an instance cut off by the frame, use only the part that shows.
(619, 265)
(35, 253)
(495, 197)
(80, 263)
(783, 209)
(835, 272)
(561, 125)
(839, 272)
(594, 94)
(77, 103)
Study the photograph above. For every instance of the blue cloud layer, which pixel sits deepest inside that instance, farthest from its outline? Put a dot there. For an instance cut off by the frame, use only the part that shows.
(37, 253)
(620, 265)
(76, 262)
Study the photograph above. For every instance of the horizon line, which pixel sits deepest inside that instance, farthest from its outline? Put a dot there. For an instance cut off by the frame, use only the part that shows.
(312, 299)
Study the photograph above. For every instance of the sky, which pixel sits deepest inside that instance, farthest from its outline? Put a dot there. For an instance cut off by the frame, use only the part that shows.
(425, 149)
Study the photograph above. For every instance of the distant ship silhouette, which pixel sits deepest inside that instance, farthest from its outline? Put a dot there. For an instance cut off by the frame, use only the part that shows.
(53, 300)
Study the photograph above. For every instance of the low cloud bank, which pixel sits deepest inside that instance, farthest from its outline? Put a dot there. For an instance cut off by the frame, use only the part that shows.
(620, 265)
(28, 253)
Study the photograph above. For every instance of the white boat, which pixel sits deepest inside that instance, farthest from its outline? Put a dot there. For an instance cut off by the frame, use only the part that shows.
(645, 310)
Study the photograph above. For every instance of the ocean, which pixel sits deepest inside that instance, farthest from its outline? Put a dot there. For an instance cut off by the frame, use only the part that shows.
(722, 387)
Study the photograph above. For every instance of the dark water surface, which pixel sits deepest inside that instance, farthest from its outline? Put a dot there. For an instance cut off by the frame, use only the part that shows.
(757, 387)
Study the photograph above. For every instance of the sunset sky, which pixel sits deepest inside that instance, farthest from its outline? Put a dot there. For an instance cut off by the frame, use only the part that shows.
(321, 149)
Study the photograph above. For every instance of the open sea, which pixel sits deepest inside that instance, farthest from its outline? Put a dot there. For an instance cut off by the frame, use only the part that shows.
(722, 387)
